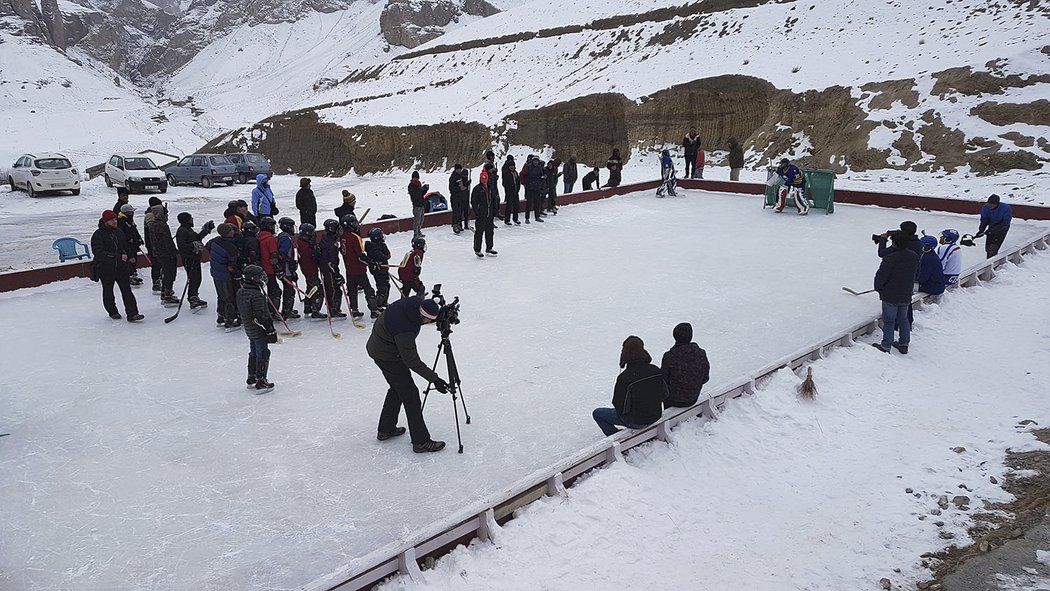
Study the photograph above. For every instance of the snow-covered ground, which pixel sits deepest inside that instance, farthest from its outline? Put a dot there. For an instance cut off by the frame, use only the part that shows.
(782, 494)
(137, 460)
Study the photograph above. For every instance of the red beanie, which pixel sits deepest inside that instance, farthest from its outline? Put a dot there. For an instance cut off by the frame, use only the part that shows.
(108, 215)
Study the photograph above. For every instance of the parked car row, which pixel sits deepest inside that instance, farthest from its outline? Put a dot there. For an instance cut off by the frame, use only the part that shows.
(52, 172)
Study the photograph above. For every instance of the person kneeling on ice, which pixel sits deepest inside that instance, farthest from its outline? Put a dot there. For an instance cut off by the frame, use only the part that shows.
(639, 393)
(950, 254)
(685, 368)
(392, 346)
(258, 327)
(931, 273)
(667, 174)
(894, 281)
(794, 186)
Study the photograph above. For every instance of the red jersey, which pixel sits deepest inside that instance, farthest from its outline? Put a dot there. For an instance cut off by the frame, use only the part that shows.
(307, 263)
(411, 266)
(353, 249)
(267, 251)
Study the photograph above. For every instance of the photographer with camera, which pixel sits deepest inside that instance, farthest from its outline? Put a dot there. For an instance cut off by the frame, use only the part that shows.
(908, 230)
(392, 347)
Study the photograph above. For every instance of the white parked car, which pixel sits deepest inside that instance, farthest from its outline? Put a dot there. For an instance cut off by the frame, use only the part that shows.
(44, 173)
(135, 172)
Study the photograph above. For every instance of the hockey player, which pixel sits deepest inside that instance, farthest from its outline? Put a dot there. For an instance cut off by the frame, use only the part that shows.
(356, 268)
(950, 254)
(268, 260)
(190, 245)
(378, 254)
(329, 250)
(667, 174)
(411, 268)
(132, 240)
(164, 253)
(307, 247)
(794, 186)
(223, 263)
(287, 266)
(931, 273)
(249, 244)
(258, 327)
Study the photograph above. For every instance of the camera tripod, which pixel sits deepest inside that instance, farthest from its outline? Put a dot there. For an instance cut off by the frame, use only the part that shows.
(454, 383)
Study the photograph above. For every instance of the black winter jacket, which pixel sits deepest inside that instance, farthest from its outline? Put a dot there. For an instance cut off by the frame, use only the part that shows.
(394, 335)
(132, 238)
(480, 201)
(459, 185)
(511, 183)
(378, 253)
(328, 254)
(686, 370)
(896, 275)
(535, 179)
(639, 393)
(305, 201)
(161, 242)
(185, 236)
(107, 246)
(570, 172)
(255, 312)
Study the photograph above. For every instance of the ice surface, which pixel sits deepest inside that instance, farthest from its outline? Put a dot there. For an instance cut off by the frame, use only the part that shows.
(137, 460)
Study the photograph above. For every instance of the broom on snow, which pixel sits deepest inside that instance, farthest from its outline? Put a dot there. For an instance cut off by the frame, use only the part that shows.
(807, 390)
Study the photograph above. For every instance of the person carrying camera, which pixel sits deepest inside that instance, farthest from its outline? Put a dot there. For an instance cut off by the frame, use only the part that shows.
(258, 327)
(392, 347)
(894, 281)
(995, 223)
(910, 239)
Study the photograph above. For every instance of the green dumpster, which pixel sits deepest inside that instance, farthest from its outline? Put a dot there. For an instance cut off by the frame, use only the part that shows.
(820, 188)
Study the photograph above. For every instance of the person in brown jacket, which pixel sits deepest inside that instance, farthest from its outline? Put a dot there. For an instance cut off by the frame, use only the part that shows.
(685, 368)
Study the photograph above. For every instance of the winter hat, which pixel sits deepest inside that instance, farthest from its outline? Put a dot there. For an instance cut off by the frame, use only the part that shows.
(349, 197)
(108, 215)
(429, 309)
(909, 228)
(510, 158)
(484, 177)
(993, 199)
(928, 242)
(683, 333)
(185, 218)
(232, 204)
(127, 208)
(226, 229)
(154, 201)
(415, 174)
(159, 213)
(304, 182)
(634, 351)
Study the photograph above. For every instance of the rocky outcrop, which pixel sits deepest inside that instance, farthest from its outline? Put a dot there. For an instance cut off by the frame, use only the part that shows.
(411, 23)
(303, 144)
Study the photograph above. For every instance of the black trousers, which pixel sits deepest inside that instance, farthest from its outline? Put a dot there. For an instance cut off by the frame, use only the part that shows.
(552, 197)
(107, 279)
(168, 265)
(355, 281)
(287, 296)
(227, 305)
(483, 227)
(533, 203)
(273, 293)
(402, 392)
(308, 218)
(459, 209)
(335, 296)
(690, 164)
(382, 288)
(992, 244)
(314, 303)
(512, 206)
(193, 276)
(414, 285)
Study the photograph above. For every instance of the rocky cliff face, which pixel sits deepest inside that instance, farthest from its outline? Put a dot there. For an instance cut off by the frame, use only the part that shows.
(411, 23)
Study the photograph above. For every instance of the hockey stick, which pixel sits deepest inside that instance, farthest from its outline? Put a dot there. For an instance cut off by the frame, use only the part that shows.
(290, 333)
(856, 293)
(171, 318)
(302, 299)
(363, 216)
(350, 308)
(328, 306)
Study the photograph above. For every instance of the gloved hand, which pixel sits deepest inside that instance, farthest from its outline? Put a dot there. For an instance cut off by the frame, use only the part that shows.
(441, 386)
(208, 226)
(293, 266)
(374, 267)
(198, 246)
(271, 337)
(293, 277)
(339, 281)
(418, 271)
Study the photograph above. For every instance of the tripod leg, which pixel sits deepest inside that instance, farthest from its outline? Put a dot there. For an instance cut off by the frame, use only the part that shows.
(426, 392)
(454, 381)
(455, 411)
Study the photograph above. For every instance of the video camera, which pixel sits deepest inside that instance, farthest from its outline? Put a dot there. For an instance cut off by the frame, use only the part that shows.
(448, 315)
(888, 235)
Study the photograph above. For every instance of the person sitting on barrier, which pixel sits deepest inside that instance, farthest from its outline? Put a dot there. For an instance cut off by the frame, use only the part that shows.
(950, 254)
(639, 393)
(685, 368)
(995, 223)
(931, 273)
(794, 186)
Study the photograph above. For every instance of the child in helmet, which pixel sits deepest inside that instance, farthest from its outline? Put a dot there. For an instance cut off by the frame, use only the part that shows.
(378, 254)
(667, 174)
(258, 327)
(306, 246)
(287, 266)
(950, 254)
(931, 274)
(411, 268)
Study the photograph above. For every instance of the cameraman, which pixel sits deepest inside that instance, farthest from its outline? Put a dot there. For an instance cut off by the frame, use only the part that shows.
(392, 347)
(908, 232)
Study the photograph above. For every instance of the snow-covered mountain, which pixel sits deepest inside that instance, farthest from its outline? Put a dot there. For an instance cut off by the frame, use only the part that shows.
(331, 86)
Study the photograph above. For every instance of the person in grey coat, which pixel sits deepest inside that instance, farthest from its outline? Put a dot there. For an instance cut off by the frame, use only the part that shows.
(736, 159)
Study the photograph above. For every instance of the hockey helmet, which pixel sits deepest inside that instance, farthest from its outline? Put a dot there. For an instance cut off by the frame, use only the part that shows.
(350, 222)
(267, 223)
(332, 226)
(928, 242)
(307, 230)
(950, 236)
(249, 228)
(254, 274)
(420, 243)
(375, 235)
(286, 225)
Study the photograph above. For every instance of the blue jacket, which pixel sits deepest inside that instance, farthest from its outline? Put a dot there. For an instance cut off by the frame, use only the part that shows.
(262, 197)
(931, 274)
(791, 176)
(223, 252)
(666, 162)
(995, 222)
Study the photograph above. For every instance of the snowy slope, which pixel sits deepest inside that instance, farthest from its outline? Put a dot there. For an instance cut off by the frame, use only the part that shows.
(167, 474)
(48, 102)
(781, 495)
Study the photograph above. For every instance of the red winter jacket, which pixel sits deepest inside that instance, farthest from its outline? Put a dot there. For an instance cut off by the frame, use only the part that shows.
(307, 263)
(353, 250)
(267, 251)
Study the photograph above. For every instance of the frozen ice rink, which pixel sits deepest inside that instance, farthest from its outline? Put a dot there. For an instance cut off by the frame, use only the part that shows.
(137, 460)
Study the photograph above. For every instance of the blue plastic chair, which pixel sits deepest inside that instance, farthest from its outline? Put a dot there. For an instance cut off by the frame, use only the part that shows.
(69, 248)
